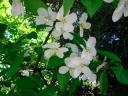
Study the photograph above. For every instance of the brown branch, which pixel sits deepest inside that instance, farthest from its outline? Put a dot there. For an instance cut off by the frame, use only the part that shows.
(36, 69)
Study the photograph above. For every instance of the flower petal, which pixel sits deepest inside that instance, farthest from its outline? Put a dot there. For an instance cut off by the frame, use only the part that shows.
(56, 34)
(75, 72)
(17, 8)
(87, 25)
(91, 42)
(67, 35)
(42, 12)
(63, 69)
(60, 13)
(71, 18)
(73, 47)
(88, 74)
(51, 45)
(48, 53)
(52, 14)
(117, 14)
(40, 20)
(84, 17)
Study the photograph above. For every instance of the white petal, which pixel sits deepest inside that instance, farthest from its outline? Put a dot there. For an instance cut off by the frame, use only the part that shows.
(92, 51)
(63, 70)
(88, 74)
(40, 20)
(60, 52)
(117, 14)
(51, 45)
(73, 62)
(75, 72)
(60, 13)
(52, 14)
(84, 17)
(63, 49)
(126, 11)
(73, 47)
(91, 42)
(42, 12)
(48, 53)
(71, 18)
(108, 1)
(87, 25)
(17, 8)
(56, 34)
(67, 35)
(86, 57)
(58, 26)
(68, 27)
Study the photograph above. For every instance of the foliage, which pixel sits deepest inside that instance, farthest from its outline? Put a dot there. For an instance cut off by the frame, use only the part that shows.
(25, 45)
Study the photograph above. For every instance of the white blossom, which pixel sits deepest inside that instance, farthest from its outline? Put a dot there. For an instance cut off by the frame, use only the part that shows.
(46, 16)
(73, 47)
(54, 49)
(17, 8)
(25, 73)
(76, 67)
(108, 1)
(89, 52)
(65, 32)
(84, 24)
(65, 25)
(122, 9)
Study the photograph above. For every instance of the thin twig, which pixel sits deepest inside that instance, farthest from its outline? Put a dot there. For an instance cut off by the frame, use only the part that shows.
(36, 69)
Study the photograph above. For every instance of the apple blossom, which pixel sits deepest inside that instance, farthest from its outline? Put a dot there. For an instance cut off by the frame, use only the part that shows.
(73, 47)
(17, 8)
(84, 24)
(46, 16)
(122, 9)
(54, 49)
(65, 32)
(89, 52)
(65, 25)
(76, 68)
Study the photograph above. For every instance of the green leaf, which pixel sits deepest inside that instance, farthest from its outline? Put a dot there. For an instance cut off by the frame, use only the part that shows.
(109, 55)
(77, 39)
(92, 6)
(38, 50)
(63, 80)
(33, 5)
(67, 5)
(54, 62)
(27, 83)
(121, 74)
(49, 91)
(32, 35)
(103, 83)
(74, 84)
(15, 65)
(1, 47)
(27, 92)
(3, 27)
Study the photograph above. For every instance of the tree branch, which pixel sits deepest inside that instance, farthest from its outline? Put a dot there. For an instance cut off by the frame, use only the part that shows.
(36, 69)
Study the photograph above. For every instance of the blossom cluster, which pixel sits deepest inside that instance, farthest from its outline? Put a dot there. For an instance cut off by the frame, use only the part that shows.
(77, 64)
(19, 10)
